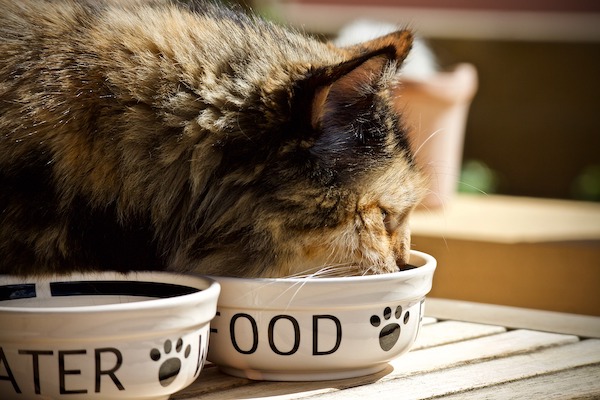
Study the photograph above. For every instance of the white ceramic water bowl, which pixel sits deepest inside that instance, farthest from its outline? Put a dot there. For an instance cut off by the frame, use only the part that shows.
(320, 328)
(104, 335)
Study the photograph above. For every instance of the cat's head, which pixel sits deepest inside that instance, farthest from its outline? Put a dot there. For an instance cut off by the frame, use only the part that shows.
(333, 193)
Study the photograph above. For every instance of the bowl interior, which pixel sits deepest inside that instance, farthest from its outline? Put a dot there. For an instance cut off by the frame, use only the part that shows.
(88, 291)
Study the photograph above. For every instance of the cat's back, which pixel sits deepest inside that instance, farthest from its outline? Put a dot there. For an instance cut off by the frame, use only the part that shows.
(144, 51)
(104, 102)
(203, 30)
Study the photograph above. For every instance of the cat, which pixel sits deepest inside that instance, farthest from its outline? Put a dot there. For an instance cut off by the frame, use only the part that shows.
(196, 138)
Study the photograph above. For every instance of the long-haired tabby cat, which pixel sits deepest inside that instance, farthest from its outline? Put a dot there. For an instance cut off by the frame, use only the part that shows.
(190, 137)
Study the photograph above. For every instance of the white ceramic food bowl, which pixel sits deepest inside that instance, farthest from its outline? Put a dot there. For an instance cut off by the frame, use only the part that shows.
(320, 328)
(103, 336)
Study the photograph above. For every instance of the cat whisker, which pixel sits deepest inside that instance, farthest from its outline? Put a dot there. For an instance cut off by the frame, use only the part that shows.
(473, 187)
(431, 136)
(324, 272)
(329, 270)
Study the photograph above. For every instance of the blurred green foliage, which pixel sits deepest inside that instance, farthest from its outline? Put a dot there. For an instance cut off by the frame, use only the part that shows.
(477, 177)
(587, 184)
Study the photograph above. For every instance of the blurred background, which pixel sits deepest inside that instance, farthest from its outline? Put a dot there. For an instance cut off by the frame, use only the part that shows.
(533, 128)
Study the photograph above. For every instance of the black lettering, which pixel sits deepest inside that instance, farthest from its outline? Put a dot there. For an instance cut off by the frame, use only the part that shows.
(338, 335)
(62, 372)
(9, 377)
(296, 335)
(109, 372)
(215, 330)
(254, 333)
(36, 365)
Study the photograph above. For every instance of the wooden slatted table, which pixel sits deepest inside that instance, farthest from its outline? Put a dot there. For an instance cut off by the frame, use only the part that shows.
(464, 351)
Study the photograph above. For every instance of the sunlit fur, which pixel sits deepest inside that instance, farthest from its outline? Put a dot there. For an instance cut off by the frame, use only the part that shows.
(195, 138)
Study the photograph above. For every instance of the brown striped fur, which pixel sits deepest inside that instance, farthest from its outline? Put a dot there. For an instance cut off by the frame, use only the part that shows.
(196, 138)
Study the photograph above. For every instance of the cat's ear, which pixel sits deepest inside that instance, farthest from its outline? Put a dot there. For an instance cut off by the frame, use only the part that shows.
(396, 44)
(345, 86)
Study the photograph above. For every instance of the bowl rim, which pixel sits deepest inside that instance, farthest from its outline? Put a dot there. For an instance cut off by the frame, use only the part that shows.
(207, 289)
(429, 266)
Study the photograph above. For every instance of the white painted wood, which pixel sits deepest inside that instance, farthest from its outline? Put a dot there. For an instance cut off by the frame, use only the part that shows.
(480, 375)
(211, 380)
(452, 331)
(477, 350)
(429, 320)
(514, 317)
(577, 383)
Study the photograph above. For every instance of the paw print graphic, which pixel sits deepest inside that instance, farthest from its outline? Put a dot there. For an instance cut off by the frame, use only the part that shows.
(390, 332)
(169, 368)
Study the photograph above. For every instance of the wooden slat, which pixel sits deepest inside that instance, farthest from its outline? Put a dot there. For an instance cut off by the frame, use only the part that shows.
(217, 385)
(477, 350)
(481, 375)
(413, 365)
(452, 331)
(513, 317)
(211, 380)
(577, 383)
